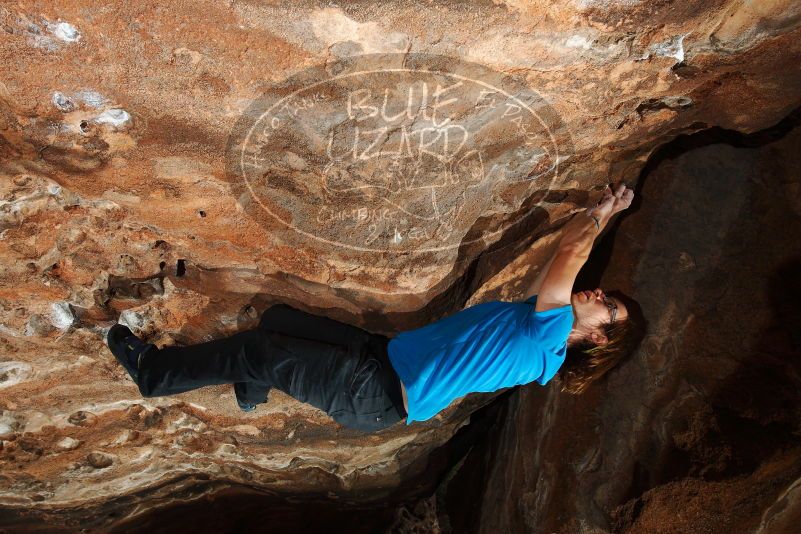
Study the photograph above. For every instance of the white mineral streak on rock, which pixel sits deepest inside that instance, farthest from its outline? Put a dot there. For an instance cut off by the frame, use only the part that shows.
(248, 430)
(35, 37)
(61, 315)
(64, 31)
(123, 437)
(185, 422)
(228, 449)
(102, 204)
(69, 443)
(8, 331)
(36, 420)
(671, 48)
(132, 319)
(90, 98)
(13, 373)
(67, 103)
(779, 516)
(113, 117)
(332, 26)
(119, 198)
(152, 468)
(8, 423)
(63, 102)
(145, 453)
(16, 205)
(349, 458)
(41, 198)
(578, 41)
(82, 360)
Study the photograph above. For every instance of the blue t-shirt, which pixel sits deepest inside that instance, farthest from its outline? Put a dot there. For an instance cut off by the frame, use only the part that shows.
(482, 348)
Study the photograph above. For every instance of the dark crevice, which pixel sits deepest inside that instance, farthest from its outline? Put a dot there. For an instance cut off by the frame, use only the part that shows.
(590, 275)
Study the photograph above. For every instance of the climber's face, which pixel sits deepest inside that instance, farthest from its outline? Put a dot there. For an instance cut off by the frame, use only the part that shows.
(593, 309)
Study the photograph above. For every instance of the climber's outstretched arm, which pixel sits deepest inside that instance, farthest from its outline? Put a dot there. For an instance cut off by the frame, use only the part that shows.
(575, 246)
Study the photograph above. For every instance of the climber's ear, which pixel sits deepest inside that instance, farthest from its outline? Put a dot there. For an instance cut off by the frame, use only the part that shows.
(598, 338)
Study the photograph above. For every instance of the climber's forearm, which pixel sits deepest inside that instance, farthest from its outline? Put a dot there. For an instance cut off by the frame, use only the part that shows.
(578, 235)
(575, 243)
(570, 256)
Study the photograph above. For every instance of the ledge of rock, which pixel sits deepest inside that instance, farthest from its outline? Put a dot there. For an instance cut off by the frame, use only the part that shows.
(148, 175)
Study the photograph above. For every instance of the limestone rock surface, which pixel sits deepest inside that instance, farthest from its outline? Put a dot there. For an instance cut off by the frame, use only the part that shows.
(121, 199)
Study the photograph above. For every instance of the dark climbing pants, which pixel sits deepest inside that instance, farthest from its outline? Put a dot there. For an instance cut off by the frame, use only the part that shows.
(336, 367)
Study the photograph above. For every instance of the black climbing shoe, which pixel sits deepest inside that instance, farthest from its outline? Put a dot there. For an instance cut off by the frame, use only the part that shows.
(127, 348)
(245, 406)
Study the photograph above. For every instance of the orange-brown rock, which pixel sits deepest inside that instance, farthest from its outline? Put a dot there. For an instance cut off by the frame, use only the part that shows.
(122, 198)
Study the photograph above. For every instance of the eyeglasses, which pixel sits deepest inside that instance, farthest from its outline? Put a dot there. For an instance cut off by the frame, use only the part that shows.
(612, 307)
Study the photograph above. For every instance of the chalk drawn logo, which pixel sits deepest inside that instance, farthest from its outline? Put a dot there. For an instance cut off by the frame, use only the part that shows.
(396, 152)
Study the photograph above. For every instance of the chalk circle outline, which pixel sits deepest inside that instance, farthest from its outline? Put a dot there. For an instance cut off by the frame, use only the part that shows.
(238, 142)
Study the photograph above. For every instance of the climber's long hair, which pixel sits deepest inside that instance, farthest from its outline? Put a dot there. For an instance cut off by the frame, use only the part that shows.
(587, 363)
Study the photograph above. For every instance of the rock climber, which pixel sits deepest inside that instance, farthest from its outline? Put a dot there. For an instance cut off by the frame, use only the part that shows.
(369, 381)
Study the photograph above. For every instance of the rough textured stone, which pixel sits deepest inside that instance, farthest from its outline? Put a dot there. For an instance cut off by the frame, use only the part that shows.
(698, 430)
(116, 204)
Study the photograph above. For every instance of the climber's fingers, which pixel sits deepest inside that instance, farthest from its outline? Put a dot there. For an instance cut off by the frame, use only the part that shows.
(627, 197)
(623, 197)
